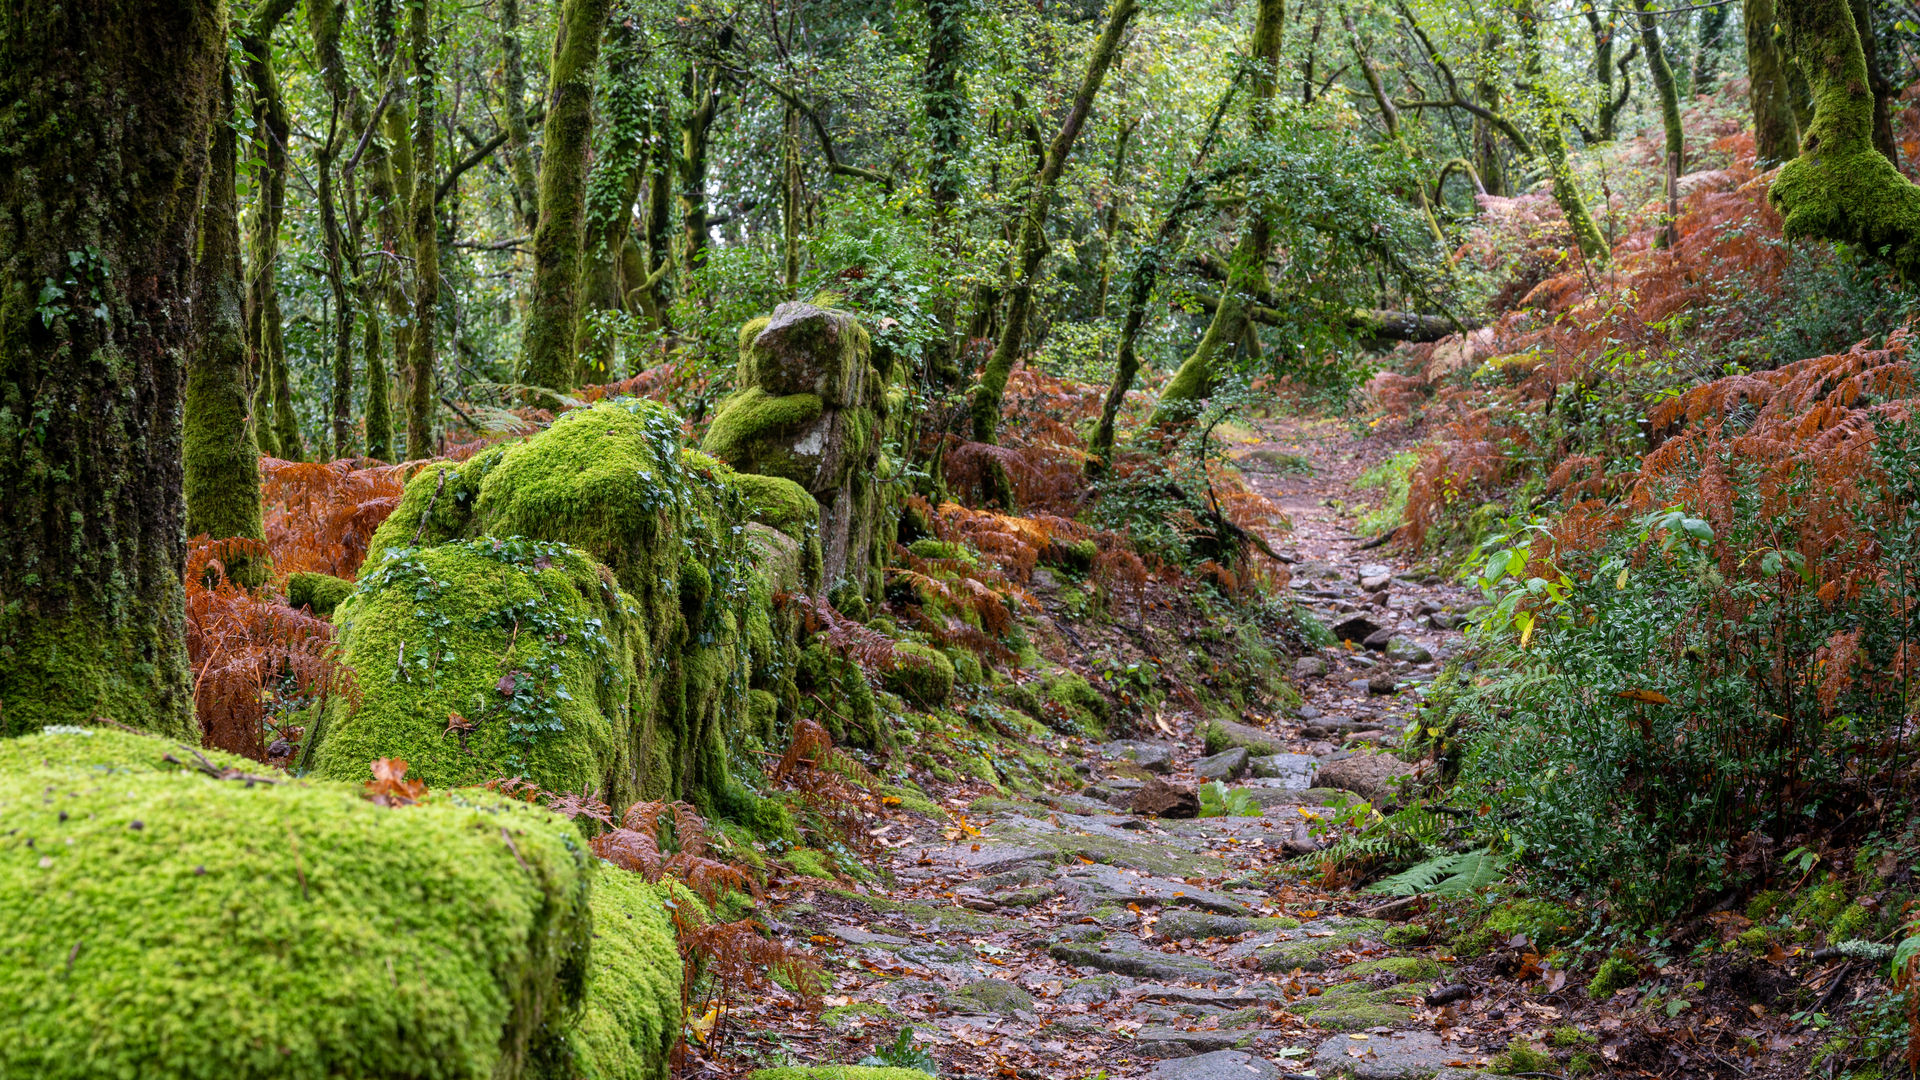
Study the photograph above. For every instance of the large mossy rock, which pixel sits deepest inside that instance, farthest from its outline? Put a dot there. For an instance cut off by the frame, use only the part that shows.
(813, 405)
(595, 602)
(156, 922)
(484, 658)
(632, 1016)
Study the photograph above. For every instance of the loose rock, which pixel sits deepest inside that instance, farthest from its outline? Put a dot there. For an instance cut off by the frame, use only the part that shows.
(1226, 765)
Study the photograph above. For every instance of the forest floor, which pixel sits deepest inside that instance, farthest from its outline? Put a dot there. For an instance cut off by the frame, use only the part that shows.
(1060, 935)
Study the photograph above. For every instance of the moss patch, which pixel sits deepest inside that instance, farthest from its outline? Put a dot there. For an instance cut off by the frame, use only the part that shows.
(632, 1014)
(320, 592)
(922, 675)
(167, 924)
(1404, 968)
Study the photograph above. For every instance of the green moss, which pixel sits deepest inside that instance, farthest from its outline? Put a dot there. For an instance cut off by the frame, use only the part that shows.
(108, 749)
(928, 548)
(319, 592)
(1850, 922)
(1356, 1007)
(522, 640)
(1545, 924)
(1406, 935)
(1404, 968)
(632, 1015)
(1821, 905)
(851, 714)
(836, 1072)
(920, 674)
(1755, 940)
(1522, 1056)
(807, 862)
(778, 503)
(1765, 905)
(753, 431)
(70, 669)
(1616, 973)
(1567, 1035)
(914, 799)
(1076, 555)
(1311, 953)
(168, 924)
(853, 1015)
(967, 668)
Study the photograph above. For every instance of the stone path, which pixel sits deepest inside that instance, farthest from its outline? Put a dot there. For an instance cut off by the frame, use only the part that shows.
(1067, 931)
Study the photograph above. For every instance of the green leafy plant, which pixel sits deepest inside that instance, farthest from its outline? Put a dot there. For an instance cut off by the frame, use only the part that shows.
(1219, 800)
(1448, 875)
(901, 1053)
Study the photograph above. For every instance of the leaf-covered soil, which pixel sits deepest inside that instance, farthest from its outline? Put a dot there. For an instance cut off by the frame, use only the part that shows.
(1057, 934)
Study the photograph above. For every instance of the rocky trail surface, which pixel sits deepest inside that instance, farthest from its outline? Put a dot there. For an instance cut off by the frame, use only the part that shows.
(1061, 935)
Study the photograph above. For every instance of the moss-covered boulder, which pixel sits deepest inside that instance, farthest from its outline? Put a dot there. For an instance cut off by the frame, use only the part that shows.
(647, 694)
(920, 674)
(157, 922)
(491, 657)
(320, 593)
(812, 407)
(631, 1019)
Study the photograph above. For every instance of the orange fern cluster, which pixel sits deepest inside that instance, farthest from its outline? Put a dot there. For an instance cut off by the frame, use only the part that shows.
(256, 662)
(320, 515)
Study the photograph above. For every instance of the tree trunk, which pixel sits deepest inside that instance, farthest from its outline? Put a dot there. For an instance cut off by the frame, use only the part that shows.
(1776, 134)
(1487, 159)
(279, 429)
(619, 162)
(1840, 187)
(1033, 244)
(107, 134)
(702, 89)
(1882, 87)
(513, 88)
(1553, 141)
(221, 462)
(1661, 75)
(1248, 272)
(425, 330)
(1713, 23)
(323, 19)
(547, 356)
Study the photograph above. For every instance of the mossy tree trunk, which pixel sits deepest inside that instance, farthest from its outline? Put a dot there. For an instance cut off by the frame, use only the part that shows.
(619, 164)
(1247, 272)
(1552, 139)
(1877, 81)
(943, 97)
(1488, 161)
(513, 88)
(323, 21)
(547, 355)
(702, 87)
(220, 460)
(107, 138)
(279, 429)
(1776, 134)
(1033, 245)
(1661, 74)
(424, 333)
(1840, 187)
(1607, 115)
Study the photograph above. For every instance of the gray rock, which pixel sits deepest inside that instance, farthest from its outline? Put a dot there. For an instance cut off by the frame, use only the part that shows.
(909, 987)
(1095, 990)
(996, 997)
(1294, 770)
(1155, 757)
(1403, 1055)
(1229, 734)
(1238, 997)
(1377, 640)
(1373, 569)
(854, 936)
(1445, 620)
(1098, 884)
(1370, 776)
(1376, 584)
(1308, 667)
(1308, 712)
(1156, 1041)
(1130, 959)
(1407, 650)
(1200, 925)
(1317, 570)
(1219, 1065)
(1383, 683)
(1355, 628)
(1225, 765)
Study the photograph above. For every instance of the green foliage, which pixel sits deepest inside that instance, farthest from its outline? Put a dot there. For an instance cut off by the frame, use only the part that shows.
(1452, 875)
(1219, 800)
(902, 1053)
(1391, 479)
(1616, 973)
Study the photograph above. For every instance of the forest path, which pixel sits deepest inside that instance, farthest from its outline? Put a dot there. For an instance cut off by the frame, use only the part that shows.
(1060, 935)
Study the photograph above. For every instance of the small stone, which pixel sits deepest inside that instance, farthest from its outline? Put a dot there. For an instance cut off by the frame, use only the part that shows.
(1407, 650)
(1355, 628)
(1378, 639)
(1445, 620)
(1225, 765)
(1375, 584)
(1317, 570)
(1383, 683)
(1219, 1065)
(1154, 757)
(1308, 712)
(1371, 776)
(1401, 1055)
(1307, 667)
(1378, 599)
(1373, 570)
(1295, 771)
(994, 996)
(1162, 799)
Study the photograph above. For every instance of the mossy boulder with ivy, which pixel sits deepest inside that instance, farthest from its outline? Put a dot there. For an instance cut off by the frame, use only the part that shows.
(319, 592)
(696, 627)
(159, 922)
(492, 657)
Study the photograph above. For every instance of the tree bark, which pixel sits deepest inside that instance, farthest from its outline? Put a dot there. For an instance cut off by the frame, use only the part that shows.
(424, 332)
(279, 429)
(702, 89)
(106, 136)
(1033, 245)
(1776, 134)
(1248, 272)
(547, 355)
(1553, 141)
(1840, 187)
(619, 163)
(1487, 159)
(220, 460)
(1661, 75)
(1882, 87)
(513, 88)
(943, 98)
(323, 20)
